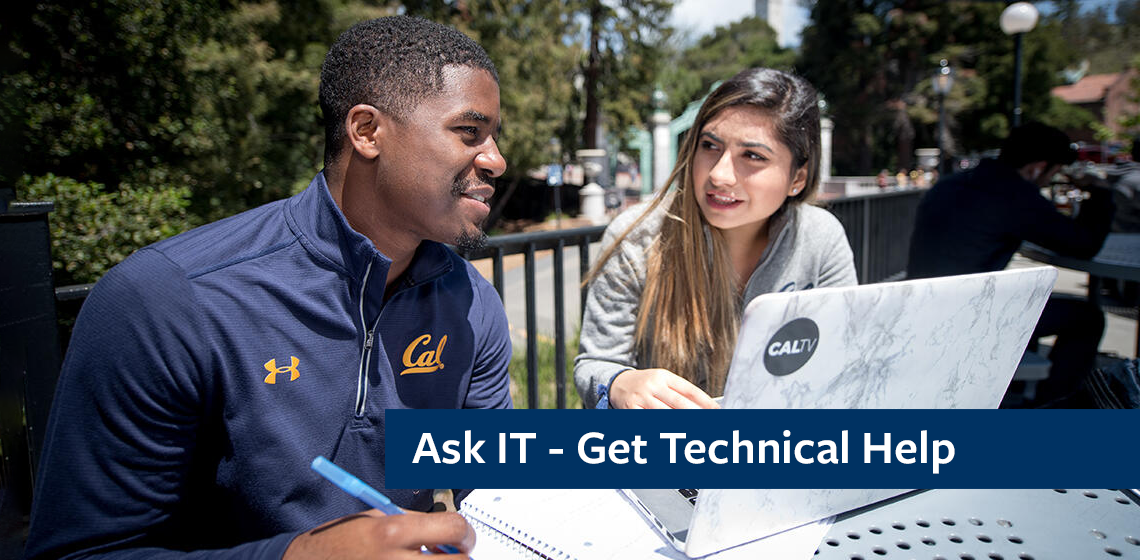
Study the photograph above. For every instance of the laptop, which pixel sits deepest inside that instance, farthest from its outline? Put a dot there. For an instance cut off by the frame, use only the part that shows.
(951, 342)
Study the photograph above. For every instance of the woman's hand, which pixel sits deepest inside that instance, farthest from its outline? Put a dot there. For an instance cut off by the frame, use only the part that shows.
(656, 388)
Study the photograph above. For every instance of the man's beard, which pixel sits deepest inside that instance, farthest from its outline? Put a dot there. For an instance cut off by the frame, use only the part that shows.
(468, 241)
(471, 242)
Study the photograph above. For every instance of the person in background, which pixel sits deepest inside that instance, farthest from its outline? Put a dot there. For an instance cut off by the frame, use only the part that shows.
(975, 220)
(1125, 180)
(207, 371)
(881, 179)
(666, 296)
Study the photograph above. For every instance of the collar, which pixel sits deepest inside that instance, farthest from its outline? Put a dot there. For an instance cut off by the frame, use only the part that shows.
(324, 231)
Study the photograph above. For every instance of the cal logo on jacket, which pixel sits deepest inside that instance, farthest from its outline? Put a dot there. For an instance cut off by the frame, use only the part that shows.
(421, 357)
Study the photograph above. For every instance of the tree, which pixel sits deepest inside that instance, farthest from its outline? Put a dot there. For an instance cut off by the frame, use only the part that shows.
(626, 42)
(172, 113)
(718, 56)
(90, 91)
(528, 42)
(93, 228)
(873, 60)
(843, 54)
(253, 133)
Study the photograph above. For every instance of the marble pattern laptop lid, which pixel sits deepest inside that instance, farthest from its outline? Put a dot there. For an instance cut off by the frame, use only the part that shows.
(950, 342)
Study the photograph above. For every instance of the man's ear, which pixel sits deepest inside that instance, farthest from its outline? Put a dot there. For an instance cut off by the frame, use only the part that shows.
(364, 124)
(1031, 171)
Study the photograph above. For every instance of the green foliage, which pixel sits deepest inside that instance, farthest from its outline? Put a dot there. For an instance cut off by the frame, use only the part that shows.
(93, 229)
(874, 59)
(632, 39)
(718, 56)
(86, 85)
(129, 97)
(1066, 117)
(527, 42)
(541, 50)
(1107, 41)
(547, 388)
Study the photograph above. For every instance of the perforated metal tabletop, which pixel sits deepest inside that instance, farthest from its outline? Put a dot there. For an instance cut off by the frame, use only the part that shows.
(991, 525)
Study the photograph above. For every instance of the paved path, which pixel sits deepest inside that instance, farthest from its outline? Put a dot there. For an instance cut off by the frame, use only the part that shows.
(514, 292)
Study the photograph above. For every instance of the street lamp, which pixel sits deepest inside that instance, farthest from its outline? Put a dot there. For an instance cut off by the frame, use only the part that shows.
(942, 82)
(1017, 19)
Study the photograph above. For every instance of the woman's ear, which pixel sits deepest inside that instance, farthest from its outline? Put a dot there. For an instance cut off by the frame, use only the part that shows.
(799, 180)
(363, 125)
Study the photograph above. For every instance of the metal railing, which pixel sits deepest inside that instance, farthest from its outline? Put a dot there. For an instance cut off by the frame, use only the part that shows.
(528, 244)
(878, 228)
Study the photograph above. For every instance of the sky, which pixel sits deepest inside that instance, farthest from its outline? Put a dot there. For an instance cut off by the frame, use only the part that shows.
(702, 16)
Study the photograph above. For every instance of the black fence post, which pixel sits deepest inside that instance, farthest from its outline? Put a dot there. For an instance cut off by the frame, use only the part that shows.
(29, 358)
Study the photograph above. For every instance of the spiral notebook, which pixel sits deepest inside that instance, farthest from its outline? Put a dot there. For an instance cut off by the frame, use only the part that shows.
(559, 525)
(594, 525)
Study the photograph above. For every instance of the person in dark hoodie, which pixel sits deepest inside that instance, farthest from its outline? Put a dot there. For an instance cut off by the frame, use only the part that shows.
(975, 220)
(1125, 180)
(207, 371)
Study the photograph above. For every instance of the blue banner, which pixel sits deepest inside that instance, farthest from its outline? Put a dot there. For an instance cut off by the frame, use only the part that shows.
(762, 449)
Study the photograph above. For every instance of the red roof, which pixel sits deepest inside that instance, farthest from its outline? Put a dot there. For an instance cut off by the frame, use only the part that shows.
(1089, 89)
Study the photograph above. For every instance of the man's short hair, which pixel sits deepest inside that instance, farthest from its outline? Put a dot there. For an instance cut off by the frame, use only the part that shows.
(1032, 142)
(392, 63)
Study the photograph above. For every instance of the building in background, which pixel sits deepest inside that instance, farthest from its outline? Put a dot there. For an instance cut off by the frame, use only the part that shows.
(1106, 96)
(772, 11)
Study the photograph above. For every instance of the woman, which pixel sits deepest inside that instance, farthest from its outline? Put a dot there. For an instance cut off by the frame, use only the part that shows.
(667, 293)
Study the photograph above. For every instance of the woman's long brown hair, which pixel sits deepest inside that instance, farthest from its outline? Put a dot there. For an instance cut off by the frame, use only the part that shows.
(689, 313)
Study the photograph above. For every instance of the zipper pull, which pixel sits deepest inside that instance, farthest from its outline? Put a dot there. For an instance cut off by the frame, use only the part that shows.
(368, 340)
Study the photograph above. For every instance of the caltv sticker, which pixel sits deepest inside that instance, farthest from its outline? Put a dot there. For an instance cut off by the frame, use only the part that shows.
(791, 347)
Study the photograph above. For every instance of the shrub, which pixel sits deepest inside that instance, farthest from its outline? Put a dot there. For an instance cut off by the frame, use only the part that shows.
(94, 228)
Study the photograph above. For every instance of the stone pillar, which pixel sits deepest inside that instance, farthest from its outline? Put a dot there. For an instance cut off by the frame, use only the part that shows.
(592, 197)
(662, 141)
(825, 128)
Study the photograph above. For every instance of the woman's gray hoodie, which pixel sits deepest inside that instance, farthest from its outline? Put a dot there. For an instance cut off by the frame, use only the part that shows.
(810, 251)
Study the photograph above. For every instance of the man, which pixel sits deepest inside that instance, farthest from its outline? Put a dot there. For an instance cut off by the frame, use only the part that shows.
(208, 370)
(1125, 180)
(975, 220)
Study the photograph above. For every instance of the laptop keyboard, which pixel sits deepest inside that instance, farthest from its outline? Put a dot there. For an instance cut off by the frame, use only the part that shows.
(691, 494)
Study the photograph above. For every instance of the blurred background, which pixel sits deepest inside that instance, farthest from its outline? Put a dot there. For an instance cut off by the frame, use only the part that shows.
(140, 119)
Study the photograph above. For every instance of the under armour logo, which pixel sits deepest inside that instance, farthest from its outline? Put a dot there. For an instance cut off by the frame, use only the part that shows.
(291, 369)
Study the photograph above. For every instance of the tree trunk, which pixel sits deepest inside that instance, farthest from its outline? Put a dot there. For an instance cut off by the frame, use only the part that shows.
(904, 133)
(590, 126)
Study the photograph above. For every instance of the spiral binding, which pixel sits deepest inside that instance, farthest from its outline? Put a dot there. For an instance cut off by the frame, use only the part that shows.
(511, 538)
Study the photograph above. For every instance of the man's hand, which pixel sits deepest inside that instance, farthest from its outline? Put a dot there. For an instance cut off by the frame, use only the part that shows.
(1087, 180)
(656, 388)
(375, 536)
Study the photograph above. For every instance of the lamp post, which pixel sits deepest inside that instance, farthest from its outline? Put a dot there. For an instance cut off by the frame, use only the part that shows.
(942, 82)
(1018, 19)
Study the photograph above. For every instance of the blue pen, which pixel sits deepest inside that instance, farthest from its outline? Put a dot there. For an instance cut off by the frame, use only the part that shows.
(361, 491)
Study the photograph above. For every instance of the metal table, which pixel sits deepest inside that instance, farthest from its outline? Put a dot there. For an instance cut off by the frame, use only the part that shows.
(1119, 258)
(991, 525)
